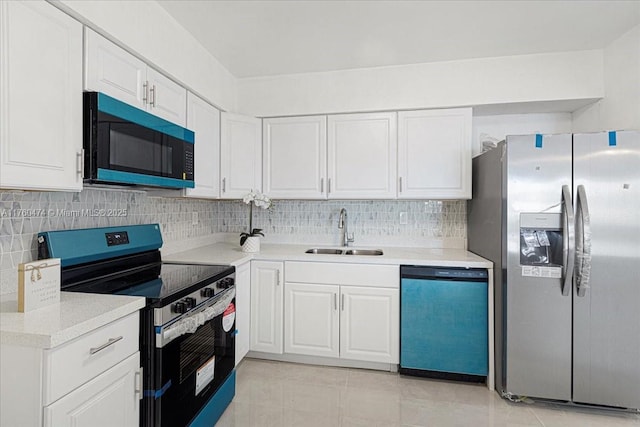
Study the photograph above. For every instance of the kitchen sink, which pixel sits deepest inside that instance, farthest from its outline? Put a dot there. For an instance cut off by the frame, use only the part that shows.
(329, 251)
(324, 251)
(375, 252)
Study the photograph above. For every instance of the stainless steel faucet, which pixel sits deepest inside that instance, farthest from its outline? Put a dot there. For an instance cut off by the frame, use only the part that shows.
(345, 238)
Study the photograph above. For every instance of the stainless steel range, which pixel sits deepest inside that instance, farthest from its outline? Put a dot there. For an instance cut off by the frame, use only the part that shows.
(187, 330)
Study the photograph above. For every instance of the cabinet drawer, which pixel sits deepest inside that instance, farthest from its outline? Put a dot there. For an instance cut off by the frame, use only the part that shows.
(110, 399)
(384, 276)
(73, 364)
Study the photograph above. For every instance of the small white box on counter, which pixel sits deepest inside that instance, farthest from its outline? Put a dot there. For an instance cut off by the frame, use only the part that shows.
(38, 284)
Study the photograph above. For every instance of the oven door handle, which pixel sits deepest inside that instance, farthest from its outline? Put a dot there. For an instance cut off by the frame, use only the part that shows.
(192, 321)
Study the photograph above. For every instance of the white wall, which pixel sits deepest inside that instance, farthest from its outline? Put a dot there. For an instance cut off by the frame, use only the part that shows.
(145, 28)
(620, 108)
(525, 78)
(499, 126)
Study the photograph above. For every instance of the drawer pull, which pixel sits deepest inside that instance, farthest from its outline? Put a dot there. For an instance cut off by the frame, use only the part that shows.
(111, 341)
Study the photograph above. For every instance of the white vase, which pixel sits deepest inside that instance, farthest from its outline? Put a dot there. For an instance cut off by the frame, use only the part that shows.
(252, 244)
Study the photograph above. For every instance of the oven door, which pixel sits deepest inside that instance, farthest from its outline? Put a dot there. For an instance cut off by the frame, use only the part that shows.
(192, 366)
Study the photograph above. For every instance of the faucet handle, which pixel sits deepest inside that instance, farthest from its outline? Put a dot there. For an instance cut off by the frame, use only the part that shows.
(350, 238)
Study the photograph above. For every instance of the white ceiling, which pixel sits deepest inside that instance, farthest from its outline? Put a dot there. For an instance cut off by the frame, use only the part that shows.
(262, 38)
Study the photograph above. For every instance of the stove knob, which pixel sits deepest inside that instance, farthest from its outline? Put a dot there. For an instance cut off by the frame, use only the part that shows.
(190, 302)
(180, 307)
(208, 292)
(227, 283)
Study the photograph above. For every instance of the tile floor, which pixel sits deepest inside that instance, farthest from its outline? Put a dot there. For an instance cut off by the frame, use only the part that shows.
(276, 394)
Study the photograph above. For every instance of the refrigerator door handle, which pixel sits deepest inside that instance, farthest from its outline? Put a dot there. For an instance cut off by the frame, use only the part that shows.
(568, 240)
(583, 242)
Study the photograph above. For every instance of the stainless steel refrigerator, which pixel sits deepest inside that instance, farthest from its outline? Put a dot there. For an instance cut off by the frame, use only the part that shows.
(559, 216)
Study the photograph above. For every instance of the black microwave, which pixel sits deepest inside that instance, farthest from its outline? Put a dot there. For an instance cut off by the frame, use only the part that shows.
(126, 145)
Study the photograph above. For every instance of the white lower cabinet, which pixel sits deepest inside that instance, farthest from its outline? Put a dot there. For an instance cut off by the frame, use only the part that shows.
(341, 310)
(369, 324)
(93, 380)
(107, 400)
(312, 319)
(267, 292)
(243, 310)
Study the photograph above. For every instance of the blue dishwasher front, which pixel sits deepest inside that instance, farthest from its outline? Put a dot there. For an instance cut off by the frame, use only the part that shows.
(443, 322)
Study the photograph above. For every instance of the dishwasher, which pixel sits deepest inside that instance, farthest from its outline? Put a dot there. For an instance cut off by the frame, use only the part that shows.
(443, 322)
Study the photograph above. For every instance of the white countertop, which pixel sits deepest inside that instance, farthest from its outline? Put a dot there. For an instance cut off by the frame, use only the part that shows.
(76, 314)
(230, 253)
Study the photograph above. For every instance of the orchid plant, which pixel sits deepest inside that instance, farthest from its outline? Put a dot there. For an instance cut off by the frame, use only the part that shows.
(261, 201)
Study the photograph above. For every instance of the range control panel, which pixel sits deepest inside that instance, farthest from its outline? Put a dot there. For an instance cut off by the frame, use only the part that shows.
(117, 238)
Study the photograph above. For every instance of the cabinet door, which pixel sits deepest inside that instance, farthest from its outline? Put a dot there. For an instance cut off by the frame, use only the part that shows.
(110, 399)
(267, 292)
(40, 98)
(204, 120)
(369, 324)
(113, 71)
(167, 99)
(312, 319)
(434, 154)
(295, 157)
(240, 155)
(362, 156)
(243, 310)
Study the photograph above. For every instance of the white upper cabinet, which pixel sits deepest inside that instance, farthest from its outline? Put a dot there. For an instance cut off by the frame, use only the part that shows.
(240, 155)
(40, 98)
(166, 98)
(295, 157)
(362, 156)
(434, 154)
(115, 72)
(204, 120)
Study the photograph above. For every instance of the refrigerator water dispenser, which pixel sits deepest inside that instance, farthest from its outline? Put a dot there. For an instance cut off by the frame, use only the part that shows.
(541, 239)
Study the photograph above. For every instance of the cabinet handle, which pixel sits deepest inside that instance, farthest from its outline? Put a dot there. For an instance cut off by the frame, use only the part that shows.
(145, 93)
(321, 185)
(80, 163)
(153, 95)
(111, 341)
(224, 185)
(342, 302)
(328, 185)
(400, 179)
(138, 389)
(277, 277)
(335, 301)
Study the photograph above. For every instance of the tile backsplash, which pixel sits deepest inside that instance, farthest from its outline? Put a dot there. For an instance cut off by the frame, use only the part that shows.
(24, 214)
(384, 222)
(391, 223)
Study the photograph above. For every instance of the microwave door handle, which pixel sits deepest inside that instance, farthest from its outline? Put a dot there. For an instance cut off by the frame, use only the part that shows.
(568, 240)
(583, 242)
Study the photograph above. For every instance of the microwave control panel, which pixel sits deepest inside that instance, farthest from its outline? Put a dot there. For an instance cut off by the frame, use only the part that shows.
(117, 238)
(188, 162)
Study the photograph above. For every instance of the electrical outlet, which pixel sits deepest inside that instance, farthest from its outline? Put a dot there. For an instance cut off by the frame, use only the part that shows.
(403, 218)
(194, 218)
